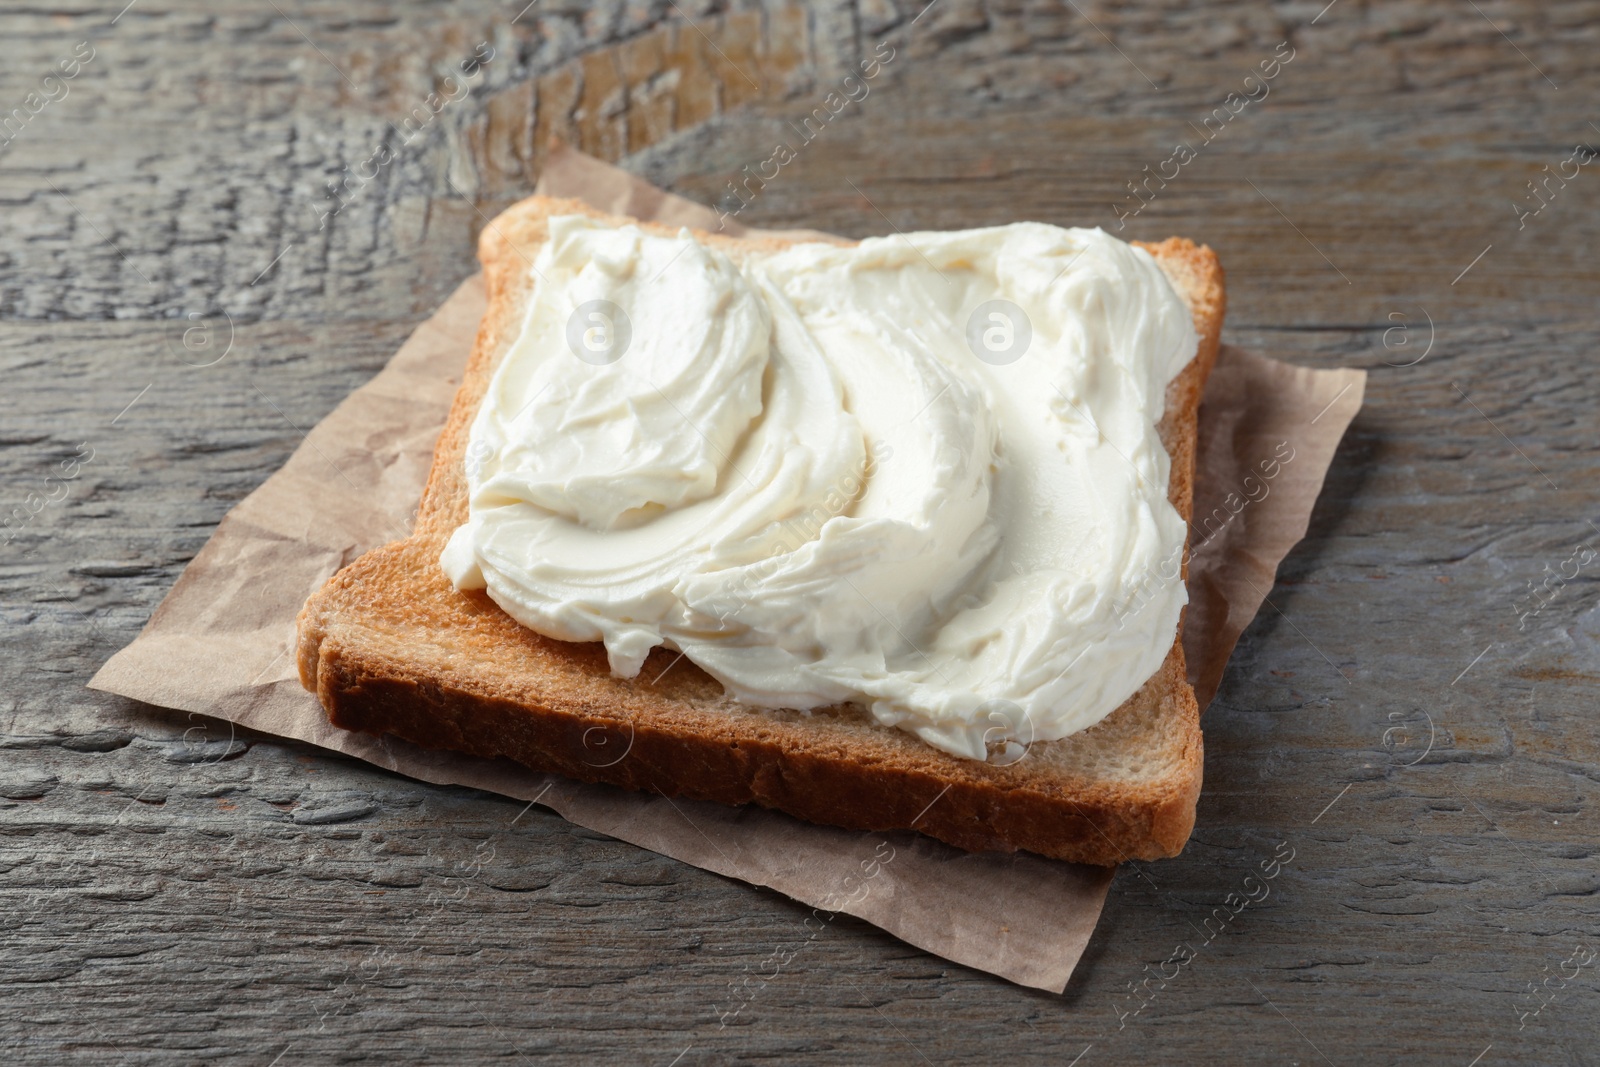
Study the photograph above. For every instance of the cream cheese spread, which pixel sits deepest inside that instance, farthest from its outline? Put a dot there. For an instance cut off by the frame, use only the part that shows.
(920, 473)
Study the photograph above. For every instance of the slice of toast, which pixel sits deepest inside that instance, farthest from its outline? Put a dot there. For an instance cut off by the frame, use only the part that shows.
(390, 646)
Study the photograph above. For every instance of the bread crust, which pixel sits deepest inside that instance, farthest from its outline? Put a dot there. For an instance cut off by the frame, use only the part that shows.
(389, 646)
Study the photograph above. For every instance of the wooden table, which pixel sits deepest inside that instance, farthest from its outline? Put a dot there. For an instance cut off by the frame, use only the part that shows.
(174, 892)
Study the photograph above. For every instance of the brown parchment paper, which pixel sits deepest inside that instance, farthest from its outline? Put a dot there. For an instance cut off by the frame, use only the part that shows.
(221, 643)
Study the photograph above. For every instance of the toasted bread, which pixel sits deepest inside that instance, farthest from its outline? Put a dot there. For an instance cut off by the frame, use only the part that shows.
(390, 646)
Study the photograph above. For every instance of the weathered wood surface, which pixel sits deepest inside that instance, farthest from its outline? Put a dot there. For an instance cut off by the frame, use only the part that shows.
(173, 893)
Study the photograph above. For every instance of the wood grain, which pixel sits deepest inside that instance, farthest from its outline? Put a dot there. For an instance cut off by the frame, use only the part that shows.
(172, 892)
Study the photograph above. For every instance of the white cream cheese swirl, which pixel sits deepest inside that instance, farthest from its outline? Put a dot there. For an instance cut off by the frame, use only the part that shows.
(797, 470)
